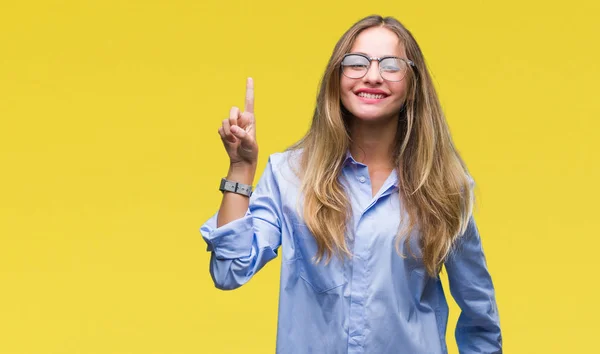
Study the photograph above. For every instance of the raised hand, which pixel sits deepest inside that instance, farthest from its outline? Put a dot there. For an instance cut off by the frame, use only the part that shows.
(238, 132)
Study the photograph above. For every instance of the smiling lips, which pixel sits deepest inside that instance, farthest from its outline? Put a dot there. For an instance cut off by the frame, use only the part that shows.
(371, 96)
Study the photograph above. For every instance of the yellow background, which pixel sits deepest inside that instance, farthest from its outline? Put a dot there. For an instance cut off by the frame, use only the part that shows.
(110, 161)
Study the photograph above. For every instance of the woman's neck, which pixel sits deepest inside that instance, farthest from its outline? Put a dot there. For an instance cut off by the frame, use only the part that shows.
(373, 142)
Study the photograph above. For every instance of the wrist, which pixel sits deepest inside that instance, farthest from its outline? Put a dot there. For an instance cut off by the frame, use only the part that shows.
(235, 187)
(242, 172)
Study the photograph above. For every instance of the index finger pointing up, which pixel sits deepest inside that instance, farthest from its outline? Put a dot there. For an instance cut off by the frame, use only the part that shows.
(249, 96)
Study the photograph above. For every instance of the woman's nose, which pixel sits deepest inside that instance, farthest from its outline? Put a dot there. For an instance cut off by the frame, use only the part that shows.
(373, 75)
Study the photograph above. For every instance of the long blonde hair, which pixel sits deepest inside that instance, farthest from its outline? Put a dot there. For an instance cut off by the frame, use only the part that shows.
(433, 182)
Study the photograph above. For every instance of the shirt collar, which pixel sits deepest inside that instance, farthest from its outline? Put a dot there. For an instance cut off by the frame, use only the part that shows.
(350, 161)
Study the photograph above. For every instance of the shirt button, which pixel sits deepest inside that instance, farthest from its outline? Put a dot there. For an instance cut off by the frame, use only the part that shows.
(362, 179)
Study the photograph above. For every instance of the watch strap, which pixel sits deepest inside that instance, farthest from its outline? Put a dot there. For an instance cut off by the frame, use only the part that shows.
(235, 187)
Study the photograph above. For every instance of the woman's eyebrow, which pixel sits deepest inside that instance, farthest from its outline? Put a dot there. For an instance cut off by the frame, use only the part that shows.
(383, 56)
(365, 54)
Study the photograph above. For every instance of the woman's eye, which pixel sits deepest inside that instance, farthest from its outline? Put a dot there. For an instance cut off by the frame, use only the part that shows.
(356, 67)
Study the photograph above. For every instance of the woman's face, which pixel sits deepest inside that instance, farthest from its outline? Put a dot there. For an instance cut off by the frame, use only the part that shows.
(372, 98)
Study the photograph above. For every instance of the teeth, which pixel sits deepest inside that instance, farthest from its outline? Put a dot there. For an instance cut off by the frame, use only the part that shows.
(369, 95)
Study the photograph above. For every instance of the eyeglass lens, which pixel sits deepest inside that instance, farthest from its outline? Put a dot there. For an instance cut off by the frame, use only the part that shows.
(391, 69)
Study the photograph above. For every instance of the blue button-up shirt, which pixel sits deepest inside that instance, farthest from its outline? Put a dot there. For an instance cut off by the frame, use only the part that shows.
(374, 302)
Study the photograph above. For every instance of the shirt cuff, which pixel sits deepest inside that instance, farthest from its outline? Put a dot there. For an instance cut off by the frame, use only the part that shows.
(230, 241)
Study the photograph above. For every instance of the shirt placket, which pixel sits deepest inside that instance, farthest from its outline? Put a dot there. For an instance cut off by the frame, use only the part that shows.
(361, 184)
(359, 180)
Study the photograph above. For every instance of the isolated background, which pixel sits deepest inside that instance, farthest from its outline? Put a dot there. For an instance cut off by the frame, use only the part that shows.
(110, 161)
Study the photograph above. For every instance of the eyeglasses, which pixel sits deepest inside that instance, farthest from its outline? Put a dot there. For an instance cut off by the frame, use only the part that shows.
(355, 66)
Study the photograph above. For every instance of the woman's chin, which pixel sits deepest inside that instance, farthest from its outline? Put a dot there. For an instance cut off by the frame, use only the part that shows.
(371, 117)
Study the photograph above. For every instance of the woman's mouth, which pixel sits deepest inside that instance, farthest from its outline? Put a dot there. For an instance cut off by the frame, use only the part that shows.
(370, 97)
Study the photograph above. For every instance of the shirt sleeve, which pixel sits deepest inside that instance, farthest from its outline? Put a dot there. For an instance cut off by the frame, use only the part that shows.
(478, 326)
(242, 247)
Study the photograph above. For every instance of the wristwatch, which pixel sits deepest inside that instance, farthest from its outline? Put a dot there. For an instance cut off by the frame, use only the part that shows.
(235, 187)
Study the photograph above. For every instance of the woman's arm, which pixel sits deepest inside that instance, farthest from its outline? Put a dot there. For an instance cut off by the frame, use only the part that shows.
(233, 205)
(241, 247)
(245, 233)
(478, 327)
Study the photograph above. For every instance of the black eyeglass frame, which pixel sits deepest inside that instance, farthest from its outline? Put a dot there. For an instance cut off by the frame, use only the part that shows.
(370, 59)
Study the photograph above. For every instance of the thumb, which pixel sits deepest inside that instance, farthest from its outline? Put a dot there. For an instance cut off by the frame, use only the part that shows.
(247, 142)
(247, 123)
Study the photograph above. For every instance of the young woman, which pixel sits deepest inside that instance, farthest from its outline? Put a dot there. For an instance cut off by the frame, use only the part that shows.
(364, 211)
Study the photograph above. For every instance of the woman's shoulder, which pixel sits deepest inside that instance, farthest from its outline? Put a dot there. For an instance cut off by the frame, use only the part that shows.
(286, 164)
(285, 159)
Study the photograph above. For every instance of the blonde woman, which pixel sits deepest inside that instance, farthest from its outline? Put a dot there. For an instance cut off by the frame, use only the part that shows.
(364, 211)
